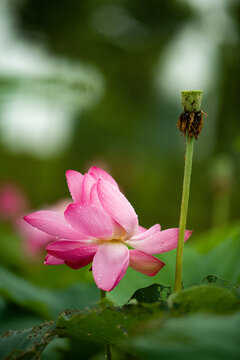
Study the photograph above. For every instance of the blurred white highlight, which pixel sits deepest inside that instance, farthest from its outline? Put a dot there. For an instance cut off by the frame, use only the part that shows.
(39, 94)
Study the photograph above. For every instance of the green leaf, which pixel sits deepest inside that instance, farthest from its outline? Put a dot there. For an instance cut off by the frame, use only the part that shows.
(43, 301)
(26, 344)
(223, 260)
(196, 336)
(209, 240)
(25, 294)
(204, 298)
(152, 293)
(55, 349)
(214, 280)
(106, 325)
(117, 326)
(13, 317)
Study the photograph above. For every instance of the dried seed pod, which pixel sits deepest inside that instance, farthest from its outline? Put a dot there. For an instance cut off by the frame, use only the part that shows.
(191, 123)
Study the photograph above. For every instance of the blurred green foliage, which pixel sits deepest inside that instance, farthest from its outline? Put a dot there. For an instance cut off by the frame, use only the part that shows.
(129, 128)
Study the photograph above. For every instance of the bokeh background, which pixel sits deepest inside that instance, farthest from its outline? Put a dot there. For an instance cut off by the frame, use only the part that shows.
(91, 82)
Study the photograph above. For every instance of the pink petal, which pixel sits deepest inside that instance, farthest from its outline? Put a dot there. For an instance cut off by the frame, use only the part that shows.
(72, 251)
(98, 173)
(51, 260)
(80, 264)
(74, 180)
(145, 263)
(147, 233)
(160, 242)
(90, 220)
(54, 224)
(94, 199)
(115, 203)
(87, 184)
(141, 229)
(118, 231)
(110, 264)
(34, 240)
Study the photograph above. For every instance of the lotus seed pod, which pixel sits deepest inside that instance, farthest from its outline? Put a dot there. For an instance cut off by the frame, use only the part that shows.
(191, 100)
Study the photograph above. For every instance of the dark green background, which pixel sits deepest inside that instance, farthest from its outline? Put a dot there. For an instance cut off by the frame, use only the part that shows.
(133, 128)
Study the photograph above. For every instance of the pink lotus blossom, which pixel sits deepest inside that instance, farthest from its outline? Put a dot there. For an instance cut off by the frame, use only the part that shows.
(102, 227)
(35, 240)
(12, 201)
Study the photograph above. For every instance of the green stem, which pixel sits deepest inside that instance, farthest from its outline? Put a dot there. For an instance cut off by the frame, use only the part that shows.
(108, 354)
(184, 211)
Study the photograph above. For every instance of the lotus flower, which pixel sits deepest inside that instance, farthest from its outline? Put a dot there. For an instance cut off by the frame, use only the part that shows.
(12, 201)
(102, 227)
(34, 240)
